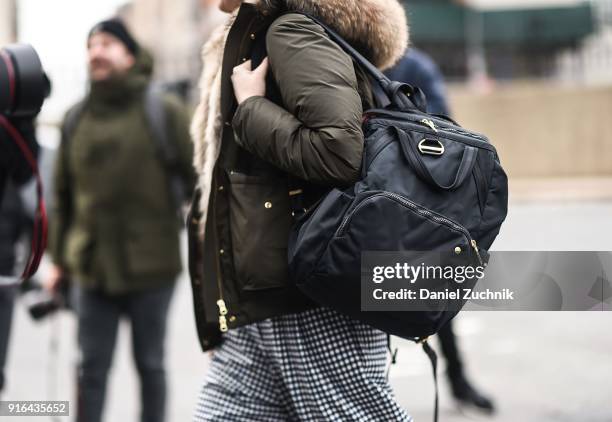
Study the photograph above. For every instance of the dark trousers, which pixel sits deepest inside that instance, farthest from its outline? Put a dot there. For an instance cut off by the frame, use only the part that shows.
(98, 317)
(450, 350)
(7, 298)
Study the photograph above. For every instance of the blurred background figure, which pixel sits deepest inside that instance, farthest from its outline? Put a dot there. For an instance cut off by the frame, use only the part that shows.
(13, 224)
(418, 69)
(122, 170)
(23, 88)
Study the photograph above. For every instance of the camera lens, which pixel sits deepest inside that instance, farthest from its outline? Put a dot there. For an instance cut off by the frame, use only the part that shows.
(23, 83)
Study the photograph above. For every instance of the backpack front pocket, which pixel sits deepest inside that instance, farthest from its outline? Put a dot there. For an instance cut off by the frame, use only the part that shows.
(385, 221)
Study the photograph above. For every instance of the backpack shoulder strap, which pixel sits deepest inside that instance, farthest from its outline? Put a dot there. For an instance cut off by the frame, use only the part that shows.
(156, 115)
(155, 112)
(433, 358)
(71, 121)
(400, 94)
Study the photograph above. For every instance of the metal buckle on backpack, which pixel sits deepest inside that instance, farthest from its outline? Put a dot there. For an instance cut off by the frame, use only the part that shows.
(429, 149)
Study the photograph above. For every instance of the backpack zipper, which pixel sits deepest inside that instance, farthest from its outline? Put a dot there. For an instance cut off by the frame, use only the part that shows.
(481, 142)
(424, 212)
(430, 124)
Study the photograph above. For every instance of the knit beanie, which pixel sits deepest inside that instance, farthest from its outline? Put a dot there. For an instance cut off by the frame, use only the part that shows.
(118, 29)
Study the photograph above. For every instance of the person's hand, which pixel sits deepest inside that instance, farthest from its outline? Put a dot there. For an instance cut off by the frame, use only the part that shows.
(249, 83)
(53, 279)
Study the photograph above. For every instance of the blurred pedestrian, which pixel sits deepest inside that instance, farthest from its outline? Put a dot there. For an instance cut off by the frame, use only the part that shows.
(14, 172)
(278, 356)
(418, 69)
(115, 229)
(12, 225)
(14, 168)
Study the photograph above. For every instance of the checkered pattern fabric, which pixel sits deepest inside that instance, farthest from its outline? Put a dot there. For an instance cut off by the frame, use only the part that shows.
(314, 366)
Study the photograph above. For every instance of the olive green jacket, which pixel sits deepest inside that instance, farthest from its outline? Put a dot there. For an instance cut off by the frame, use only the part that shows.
(114, 224)
(303, 136)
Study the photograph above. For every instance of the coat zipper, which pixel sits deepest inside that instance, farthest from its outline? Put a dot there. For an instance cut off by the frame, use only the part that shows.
(223, 311)
(430, 215)
(221, 302)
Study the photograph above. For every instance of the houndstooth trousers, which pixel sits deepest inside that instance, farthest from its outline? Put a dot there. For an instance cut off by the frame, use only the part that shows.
(313, 366)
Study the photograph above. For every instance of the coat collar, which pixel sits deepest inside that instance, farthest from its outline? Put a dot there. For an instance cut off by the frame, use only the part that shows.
(378, 29)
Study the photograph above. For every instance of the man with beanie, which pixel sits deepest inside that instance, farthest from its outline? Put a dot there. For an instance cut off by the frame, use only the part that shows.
(114, 231)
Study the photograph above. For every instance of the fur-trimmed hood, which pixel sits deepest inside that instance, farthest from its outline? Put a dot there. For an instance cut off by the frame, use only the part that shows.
(376, 28)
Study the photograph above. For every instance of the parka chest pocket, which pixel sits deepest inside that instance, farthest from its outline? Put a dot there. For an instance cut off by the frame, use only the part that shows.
(260, 220)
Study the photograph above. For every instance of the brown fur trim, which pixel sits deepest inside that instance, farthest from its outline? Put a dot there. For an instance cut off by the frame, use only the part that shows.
(377, 28)
(206, 124)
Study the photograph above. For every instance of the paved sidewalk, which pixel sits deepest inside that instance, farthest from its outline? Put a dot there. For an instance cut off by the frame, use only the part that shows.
(539, 366)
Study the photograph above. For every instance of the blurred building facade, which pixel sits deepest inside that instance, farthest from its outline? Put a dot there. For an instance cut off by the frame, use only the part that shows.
(540, 128)
(175, 33)
(592, 62)
(530, 65)
(502, 39)
(8, 24)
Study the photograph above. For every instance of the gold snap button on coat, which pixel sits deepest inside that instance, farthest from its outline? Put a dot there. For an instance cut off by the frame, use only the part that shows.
(457, 250)
(268, 205)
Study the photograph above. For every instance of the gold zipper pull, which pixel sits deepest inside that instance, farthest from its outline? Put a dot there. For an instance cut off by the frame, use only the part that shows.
(223, 324)
(222, 312)
(475, 246)
(430, 123)
(222, 307)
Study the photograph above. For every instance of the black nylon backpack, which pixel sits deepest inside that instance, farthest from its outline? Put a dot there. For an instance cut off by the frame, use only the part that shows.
(426, 184)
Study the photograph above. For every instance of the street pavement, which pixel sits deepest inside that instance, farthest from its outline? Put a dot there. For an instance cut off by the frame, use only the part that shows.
(538, 366)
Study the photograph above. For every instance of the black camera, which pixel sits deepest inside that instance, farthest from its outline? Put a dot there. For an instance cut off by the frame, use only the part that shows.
(40, 302)
(23, 89)
(23, 83)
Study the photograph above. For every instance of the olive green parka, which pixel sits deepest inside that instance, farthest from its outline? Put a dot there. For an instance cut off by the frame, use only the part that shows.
(300, 139)
(114, 225)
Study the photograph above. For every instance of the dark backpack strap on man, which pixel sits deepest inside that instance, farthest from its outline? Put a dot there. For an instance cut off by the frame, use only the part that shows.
(71, 121)
(167, 151)
(155, 113)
